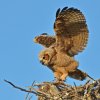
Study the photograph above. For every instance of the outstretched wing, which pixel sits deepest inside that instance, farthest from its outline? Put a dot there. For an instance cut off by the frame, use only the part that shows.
(45, 40)
(71, 30)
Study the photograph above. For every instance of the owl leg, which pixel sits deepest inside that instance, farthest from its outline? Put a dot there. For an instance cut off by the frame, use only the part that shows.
(57, 75)
(61, 74)
(65, 70)
(64, 75)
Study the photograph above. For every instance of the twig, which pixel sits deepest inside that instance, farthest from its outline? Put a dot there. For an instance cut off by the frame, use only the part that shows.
(30, 98)
(21, 88)
(86, 82)
(36, 92)
(28, 92)
(75, 87)
(90, 77)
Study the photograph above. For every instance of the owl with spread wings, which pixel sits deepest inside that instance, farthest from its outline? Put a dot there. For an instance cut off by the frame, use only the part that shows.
(71, 36)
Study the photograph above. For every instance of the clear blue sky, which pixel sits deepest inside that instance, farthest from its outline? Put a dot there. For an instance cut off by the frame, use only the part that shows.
(20, 22)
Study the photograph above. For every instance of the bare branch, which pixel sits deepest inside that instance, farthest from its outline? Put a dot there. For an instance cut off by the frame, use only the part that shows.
(36, 92)
(22, 89)
(28, 92)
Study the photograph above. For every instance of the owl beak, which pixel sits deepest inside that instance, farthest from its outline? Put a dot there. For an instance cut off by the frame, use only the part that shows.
(35, 40)
(41, 62)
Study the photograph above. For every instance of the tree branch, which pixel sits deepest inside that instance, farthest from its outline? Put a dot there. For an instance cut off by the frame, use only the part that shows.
(33, 91)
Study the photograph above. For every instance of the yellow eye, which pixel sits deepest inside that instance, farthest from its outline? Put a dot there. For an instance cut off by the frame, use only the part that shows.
(46, 57)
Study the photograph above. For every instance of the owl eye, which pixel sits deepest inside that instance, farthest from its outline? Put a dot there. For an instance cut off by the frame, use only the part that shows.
(46, 57)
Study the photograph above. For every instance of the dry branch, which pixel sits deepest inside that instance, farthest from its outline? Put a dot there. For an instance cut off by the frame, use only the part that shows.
(62, 91)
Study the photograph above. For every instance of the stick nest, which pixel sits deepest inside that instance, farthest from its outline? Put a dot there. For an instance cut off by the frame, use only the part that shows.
(62, 91)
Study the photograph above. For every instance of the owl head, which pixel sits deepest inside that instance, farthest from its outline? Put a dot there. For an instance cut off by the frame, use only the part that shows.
(46, 56)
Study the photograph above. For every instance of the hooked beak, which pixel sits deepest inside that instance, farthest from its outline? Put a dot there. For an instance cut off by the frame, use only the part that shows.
(41, 62)
(35, 40)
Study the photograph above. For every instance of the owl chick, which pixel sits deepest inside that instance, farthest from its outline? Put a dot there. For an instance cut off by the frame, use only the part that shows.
(71, 38)
(58, 62)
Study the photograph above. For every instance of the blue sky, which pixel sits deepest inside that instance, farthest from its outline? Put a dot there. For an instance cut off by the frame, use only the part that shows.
(20, 22)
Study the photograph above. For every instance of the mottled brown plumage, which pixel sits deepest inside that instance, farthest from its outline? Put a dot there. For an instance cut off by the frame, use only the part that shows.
(71, 30)
(45, 40)
(71, 38)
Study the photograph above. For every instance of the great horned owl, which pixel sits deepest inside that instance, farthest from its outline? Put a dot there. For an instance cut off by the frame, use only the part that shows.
(71, 38)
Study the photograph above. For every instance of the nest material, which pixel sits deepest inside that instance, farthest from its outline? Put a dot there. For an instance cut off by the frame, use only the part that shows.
(62, 91)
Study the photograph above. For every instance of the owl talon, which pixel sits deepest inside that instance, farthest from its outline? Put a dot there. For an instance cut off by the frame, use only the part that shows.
(57, 80)
(60, 80)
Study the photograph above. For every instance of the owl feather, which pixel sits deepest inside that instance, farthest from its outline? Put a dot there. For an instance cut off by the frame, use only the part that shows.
(71, 30)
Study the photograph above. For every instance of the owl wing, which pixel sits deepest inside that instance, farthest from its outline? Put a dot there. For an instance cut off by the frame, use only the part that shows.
(71, 30)
(45, 40)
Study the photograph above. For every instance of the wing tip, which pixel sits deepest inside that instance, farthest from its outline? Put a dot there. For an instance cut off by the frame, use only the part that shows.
(57, 12)
(66, 9)
(70, 9)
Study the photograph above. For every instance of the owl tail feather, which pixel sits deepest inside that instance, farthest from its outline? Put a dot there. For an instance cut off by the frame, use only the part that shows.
(90, 77)
(79, 75)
